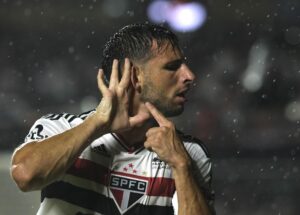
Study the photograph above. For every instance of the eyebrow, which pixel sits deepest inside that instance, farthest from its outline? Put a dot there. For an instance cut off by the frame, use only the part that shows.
(176, 62)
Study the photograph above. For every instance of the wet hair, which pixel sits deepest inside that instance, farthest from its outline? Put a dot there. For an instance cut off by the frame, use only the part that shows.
(135, 42)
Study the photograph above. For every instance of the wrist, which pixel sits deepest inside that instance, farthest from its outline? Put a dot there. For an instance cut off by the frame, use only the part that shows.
(182, 167)
(99, 126)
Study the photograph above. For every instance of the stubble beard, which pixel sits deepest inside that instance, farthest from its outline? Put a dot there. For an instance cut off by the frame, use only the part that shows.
(156, 97)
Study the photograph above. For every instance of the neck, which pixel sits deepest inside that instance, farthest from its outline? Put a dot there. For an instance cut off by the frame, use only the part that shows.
(137, 135)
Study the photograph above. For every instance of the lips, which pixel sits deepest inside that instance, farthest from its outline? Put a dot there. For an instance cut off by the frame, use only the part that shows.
(182, 93)
(181, 96)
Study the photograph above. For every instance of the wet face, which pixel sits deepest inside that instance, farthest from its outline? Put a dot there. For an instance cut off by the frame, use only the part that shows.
(166, 80)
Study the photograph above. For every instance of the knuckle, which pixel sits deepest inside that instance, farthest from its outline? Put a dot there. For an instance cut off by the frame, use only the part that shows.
(164, 129)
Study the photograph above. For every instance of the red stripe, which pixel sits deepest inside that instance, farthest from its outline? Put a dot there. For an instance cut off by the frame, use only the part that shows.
(89, 170)
(157, 186)
(161, 187)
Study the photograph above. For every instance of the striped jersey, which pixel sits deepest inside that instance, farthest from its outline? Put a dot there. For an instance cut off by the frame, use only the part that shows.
(111, 178)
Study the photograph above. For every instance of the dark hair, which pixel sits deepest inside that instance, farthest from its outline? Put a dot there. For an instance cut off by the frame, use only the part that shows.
(135, 41)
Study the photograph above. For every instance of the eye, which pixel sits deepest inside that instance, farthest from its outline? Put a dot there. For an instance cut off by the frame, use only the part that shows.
(173, 66)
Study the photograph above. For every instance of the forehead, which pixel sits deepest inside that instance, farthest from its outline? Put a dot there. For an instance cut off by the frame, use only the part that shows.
(165, 53)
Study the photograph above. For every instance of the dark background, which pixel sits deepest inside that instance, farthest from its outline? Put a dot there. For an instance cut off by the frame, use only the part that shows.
(50, 52)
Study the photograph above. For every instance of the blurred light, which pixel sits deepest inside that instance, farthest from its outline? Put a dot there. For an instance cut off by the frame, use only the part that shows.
(292, 111)
(180, 16)
(254, 73)
(158, 11)
(252, 82)
(187, 17)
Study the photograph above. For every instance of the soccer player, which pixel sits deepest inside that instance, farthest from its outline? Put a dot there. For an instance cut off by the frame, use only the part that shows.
(124, 157)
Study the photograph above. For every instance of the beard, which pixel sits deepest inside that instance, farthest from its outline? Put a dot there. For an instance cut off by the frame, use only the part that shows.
(155, 96)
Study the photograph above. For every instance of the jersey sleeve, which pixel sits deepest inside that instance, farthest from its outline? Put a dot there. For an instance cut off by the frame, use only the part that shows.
(46, 127)
(202, 169)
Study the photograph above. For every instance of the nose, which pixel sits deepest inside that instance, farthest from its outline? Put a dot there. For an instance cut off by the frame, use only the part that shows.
(187, 75)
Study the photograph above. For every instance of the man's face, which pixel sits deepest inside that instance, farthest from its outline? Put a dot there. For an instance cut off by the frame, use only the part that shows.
(166, 80)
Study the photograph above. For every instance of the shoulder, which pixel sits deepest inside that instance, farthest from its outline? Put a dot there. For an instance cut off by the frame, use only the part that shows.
(51, 124)
(66, 117)
(193, 144)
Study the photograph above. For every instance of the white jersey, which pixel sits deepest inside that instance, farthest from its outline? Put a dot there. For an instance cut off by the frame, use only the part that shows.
(111, 178)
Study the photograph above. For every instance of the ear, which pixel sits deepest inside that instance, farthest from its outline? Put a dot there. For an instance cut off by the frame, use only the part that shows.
(136, 78)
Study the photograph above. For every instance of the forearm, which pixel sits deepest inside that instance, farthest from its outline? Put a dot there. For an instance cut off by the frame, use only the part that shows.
(191, 200)
(36, 164)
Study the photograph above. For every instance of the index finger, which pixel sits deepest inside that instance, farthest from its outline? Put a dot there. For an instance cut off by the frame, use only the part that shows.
(158, 116)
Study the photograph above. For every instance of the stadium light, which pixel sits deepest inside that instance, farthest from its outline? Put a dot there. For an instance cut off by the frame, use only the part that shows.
(182, 17)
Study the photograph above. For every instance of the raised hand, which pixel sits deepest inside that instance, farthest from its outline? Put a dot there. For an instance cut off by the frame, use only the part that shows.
(113, 108)
(163, 140)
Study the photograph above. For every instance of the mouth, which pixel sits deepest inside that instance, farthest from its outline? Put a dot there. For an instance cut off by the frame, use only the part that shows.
(181, 96)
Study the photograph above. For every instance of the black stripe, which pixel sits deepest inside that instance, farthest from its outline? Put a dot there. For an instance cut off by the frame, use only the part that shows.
(81, 197)
(66, 115)
(138, 151)
(72, 118)
(85, 114)
(96, 202)
(151, 210)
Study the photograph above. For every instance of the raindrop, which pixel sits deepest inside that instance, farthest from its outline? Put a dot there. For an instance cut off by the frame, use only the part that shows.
(295, 169)
(130, 13)
(71, 49)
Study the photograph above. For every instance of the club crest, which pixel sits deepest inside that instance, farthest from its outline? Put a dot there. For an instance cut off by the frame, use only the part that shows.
(127, 190)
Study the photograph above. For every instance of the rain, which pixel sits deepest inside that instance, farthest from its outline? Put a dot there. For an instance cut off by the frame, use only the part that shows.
(244, 104)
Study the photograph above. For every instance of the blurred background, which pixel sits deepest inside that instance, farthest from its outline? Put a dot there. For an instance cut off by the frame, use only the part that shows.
(245, 104)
